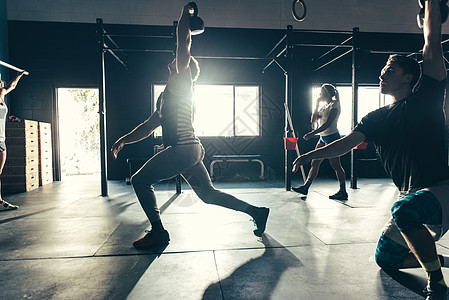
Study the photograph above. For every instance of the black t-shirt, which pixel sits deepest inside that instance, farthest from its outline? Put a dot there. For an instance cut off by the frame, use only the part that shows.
(409, 136)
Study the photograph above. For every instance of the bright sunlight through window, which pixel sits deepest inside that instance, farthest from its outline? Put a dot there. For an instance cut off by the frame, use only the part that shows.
(223, 110)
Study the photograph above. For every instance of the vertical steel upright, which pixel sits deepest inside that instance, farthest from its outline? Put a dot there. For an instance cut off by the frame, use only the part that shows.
(102, 110)
(288, 102)
(178, 178)
(355, 101)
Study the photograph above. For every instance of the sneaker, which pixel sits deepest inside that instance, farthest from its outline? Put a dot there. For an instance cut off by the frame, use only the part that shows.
(340, 195)
(301, 189)
(152, 239)
(260, 221)
(7, 206)
(435, 291)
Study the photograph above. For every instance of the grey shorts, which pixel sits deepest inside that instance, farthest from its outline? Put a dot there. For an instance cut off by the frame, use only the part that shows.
(2, 146)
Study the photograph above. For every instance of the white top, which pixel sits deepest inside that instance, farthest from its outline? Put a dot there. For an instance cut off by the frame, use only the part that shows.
(324, 114)
(3, 113)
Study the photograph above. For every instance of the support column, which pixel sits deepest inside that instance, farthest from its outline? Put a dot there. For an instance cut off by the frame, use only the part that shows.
(102, 107)
(288, 102)
(355, 102)
(4, 39)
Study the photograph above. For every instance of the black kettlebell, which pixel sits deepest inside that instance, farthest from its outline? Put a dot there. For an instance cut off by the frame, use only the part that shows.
(422, 2)
(196, 23)
(444, 10)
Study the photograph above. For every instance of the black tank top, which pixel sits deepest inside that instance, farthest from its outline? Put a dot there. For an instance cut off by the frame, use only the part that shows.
(176, 116)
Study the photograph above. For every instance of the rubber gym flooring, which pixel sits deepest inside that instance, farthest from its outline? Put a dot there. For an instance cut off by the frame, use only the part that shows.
(67, 242)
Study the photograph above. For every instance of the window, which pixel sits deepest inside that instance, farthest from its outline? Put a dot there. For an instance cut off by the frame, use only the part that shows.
(369, 99)
(223, 110)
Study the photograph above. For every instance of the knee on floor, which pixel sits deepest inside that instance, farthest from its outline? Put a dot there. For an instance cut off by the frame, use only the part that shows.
(389, 254)
(384, 262)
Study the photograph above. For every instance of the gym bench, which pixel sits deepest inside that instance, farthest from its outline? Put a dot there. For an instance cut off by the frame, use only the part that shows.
(236, 158)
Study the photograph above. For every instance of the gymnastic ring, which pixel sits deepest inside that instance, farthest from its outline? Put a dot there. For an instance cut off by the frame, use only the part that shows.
(295, 15)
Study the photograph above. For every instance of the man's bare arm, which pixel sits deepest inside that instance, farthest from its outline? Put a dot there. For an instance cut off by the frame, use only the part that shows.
(334, 149)
(142, 131)
(433, 61)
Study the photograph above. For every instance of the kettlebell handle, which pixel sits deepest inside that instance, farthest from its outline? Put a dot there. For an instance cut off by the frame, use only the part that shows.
(195, 8)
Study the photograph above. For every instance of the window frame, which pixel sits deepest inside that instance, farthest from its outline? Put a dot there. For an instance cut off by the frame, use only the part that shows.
(234, 85)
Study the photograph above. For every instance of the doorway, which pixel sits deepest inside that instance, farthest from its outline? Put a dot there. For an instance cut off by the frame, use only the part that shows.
(79, 132)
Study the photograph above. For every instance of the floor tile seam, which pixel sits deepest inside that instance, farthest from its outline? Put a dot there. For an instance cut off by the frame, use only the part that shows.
(148, 253)
(442, 246)
(265, 248)
(337, 201)
(311, 233)
(110, 235)
(218, 275)
(349, 243)
(78, 257)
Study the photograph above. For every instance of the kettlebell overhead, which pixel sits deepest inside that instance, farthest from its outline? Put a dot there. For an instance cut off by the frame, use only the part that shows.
(196, 23)
(444, 10)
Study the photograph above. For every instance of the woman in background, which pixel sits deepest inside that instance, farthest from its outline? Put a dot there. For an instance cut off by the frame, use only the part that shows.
(325, 116)
(4, 90)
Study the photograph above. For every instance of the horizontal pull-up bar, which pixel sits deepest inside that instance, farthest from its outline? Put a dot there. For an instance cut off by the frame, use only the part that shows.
(321, 45)
(321, 31)
(141, 36)
(12, 67)
(392, 52)
(138, 50)
(231, 57)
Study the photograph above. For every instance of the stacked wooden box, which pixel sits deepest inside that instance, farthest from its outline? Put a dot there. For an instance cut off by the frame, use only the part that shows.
(21, 170)
(45, 154)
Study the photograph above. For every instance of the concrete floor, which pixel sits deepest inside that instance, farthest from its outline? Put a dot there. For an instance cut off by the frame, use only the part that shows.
(67, 242)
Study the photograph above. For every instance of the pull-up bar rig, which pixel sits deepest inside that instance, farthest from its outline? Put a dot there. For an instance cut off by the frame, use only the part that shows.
(288, 44)
(104, 40)
(107, 44)
(351, 48)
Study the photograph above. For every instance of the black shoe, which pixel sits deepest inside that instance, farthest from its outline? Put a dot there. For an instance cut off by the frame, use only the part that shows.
(260, 220)
(301, 189)
(340, 195)
(435, 291)
(152, 239)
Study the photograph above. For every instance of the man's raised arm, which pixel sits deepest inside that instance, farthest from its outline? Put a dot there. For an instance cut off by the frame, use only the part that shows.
(433, 61)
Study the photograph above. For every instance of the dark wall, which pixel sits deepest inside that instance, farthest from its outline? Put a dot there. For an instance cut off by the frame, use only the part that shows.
(64, 55)
(3, 38)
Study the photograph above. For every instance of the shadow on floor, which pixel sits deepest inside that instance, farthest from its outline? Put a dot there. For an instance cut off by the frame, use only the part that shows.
(130, 278)
(258, 277)
(411, 281)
